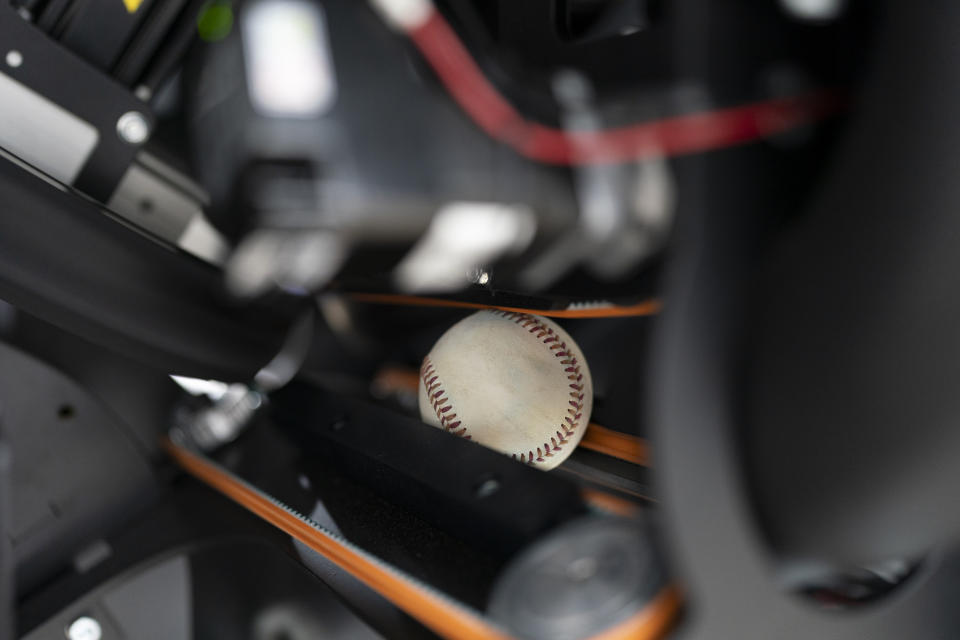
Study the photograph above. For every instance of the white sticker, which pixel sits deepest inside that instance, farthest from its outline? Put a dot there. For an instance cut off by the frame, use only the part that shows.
(289, 71)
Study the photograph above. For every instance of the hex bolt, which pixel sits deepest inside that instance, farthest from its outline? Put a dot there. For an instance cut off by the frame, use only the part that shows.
(84, 628)
(132, 127)
(14, 58)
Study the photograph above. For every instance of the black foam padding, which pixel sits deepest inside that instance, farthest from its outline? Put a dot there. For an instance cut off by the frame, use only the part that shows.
(436, 475)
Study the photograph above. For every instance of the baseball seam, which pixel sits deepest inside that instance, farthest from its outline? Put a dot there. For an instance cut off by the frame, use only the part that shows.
(439, 400)
(443, 407)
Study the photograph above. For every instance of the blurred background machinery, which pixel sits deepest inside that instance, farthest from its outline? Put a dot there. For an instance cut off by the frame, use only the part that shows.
(230, 230)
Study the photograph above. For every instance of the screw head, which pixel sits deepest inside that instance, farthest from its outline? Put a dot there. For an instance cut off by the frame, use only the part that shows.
(486, 488)
(14, 58)
(582, 569)
(143, 93)
(84, 628)
(132, 127)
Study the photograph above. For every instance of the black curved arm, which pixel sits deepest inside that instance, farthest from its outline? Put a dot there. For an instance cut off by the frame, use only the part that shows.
(65, 261)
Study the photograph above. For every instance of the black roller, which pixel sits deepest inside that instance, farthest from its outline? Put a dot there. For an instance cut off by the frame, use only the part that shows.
(581, 579)
(853, 442)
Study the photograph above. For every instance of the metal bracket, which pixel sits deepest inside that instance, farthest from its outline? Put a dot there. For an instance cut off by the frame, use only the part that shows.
(52, 74)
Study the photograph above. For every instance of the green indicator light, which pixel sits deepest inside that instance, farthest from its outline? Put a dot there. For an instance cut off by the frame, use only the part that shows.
(215, 21)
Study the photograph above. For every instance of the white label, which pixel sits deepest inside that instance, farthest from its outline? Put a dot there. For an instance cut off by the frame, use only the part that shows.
(289, 72)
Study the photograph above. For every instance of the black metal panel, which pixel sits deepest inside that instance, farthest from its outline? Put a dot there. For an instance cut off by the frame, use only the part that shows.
(476, 494)
(80, 270)
(270, 459)
(139, 395)
(59, 75)
(70, 451)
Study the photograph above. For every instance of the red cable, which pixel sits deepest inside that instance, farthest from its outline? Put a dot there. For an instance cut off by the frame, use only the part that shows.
(697, 132)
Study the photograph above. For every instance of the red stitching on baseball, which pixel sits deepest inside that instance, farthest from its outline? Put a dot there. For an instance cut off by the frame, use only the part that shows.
(437, 396)
(567, 360)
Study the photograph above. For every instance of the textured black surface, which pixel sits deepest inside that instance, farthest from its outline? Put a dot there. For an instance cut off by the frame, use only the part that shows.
(267, 457)
(433, 474)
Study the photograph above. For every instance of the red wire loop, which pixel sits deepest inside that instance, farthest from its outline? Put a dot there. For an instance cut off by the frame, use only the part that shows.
(692, 133)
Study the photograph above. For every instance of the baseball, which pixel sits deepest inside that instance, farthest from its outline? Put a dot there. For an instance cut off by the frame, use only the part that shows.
(513, 382)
